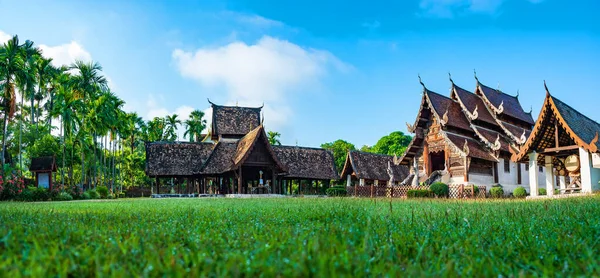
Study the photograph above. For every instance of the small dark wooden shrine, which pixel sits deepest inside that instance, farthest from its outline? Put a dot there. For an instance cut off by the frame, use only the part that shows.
(42, 168)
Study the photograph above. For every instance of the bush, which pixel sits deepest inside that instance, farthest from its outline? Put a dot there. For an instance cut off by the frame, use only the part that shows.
(440, 189)
(496, 192)
(121, 195)
(103, 191)
(63, 196)
(336, 191)
(92, 194)
(542, 191)
(86, 195)
(419, 193)
(520, 192)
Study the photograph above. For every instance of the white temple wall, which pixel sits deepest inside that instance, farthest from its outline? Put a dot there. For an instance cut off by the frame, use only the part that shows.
(481, 179)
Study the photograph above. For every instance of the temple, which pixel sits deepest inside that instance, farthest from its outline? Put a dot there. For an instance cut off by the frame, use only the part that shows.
(565, 143)
(237, 158)
(468, 138)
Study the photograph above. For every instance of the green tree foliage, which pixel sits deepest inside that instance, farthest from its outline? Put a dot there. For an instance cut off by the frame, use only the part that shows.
(340, 149)
(194, 126)
(274, 138)
(393, 144)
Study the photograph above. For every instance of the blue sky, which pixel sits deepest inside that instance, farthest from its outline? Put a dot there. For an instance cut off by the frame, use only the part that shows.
(325, 70)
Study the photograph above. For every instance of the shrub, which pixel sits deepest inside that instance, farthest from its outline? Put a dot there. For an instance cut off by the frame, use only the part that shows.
(86, 195)
(103, 191)
(520, 192)
(93, 194)
(440, 189)
(63, 196)
(121, 195)
(496, 192)
(542, 191)
(418, 193)
(336, 191)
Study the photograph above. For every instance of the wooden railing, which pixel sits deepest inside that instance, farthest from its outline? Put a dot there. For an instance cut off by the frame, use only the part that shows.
(373, 191)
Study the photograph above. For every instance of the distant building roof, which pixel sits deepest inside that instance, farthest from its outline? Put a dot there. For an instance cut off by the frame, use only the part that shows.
(307, 163)
(233, 121)
(176, 158)
(372, 166)
(43, 164)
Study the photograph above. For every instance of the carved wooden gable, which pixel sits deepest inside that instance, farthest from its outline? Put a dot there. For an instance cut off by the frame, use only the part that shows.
(435, 138)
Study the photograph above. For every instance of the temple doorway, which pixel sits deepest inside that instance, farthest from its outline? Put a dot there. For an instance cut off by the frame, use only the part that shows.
(438, 160)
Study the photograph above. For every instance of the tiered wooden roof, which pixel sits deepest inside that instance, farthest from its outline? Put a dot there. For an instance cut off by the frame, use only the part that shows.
(233, 121)
(372, 166)
(559, 131)
(172, 159)
(489, 121)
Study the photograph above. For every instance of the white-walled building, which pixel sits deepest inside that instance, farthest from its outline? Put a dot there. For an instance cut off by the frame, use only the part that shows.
(565, 143)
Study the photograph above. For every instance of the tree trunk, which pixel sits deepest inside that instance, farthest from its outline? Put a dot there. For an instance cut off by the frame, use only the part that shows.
(62, 136)
(21, 133)
(4, 137)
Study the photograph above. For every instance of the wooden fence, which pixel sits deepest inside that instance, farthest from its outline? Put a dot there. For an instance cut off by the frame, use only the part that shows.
(372, 191)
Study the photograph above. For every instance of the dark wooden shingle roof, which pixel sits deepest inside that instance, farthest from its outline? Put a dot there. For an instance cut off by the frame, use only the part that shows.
(176, 158)
(233, 120)
(372, 166)
(307, 163)
(442, 104)
(472, 101)
(512, 106)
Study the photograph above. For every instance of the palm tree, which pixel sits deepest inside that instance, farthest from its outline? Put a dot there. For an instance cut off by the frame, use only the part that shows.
(11, 67)
(156, 130)
(45, 72)
(87, 83)
(172, 123)
(274, 138)
(26, 82)
(195, 125)
(66, 106)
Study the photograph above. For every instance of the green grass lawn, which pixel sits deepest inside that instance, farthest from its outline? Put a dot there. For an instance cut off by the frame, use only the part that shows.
(300, 237)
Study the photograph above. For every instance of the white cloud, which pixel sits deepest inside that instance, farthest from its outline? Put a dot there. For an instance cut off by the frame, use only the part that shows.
(4, 37)
(65, 54)
(252, 20)
(268, 71)
(449, 8)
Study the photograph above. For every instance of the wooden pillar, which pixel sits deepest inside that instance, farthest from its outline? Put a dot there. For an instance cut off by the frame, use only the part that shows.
(157, 185)
(299, 187)
(426, 162)
(375, 183)
(240, 180)
(495, 172)
(467, 166)
(274, 185)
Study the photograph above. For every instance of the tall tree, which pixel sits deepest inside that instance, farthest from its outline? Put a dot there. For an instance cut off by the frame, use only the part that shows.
(194, 126)
(393, 144)
(11, 67)
(26, 82)
(87, 83)
(339, 148)
(172, 123)
(274, 138)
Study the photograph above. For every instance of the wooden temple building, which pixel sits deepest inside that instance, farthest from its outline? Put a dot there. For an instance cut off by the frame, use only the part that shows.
(42, 168)
(470, 137)
(564, 142)
(238, 158)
